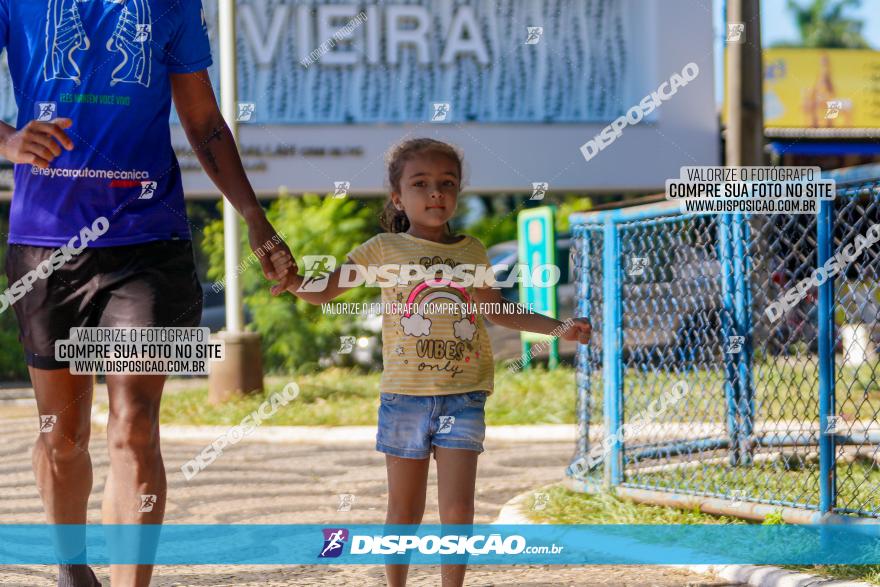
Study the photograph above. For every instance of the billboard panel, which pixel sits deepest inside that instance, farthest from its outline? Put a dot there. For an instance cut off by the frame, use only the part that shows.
(821, 88)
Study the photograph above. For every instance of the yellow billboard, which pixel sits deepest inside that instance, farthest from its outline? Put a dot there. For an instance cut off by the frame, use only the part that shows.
(821, 88)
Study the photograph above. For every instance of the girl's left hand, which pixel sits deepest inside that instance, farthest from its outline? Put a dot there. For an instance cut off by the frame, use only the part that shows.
(578, 329)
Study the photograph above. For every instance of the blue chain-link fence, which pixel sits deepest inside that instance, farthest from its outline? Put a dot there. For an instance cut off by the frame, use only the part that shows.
(692, 391)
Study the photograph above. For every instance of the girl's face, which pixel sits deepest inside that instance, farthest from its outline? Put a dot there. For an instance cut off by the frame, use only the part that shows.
(429, 189)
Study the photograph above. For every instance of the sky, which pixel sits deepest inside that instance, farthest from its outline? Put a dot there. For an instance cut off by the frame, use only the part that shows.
(777, 24)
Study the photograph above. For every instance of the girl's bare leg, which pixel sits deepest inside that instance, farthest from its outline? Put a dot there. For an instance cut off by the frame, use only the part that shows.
(456, 482)
(407, 486)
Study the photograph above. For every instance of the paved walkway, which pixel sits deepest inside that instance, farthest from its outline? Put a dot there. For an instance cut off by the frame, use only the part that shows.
(257, 482)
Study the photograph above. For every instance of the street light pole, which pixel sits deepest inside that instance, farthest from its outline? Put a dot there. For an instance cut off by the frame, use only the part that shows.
(745, 79)
(229, 108)
(241, 370)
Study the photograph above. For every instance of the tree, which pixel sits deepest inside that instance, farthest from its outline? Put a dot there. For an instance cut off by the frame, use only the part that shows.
(823, 24)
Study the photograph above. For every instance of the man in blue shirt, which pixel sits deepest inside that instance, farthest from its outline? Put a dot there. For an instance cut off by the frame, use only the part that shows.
(98, 197)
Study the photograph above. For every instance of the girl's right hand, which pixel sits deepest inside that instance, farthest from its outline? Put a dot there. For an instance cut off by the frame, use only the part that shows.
(281, 258)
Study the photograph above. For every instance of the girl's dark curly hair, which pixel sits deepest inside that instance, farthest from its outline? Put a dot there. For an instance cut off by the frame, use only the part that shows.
(392, 219)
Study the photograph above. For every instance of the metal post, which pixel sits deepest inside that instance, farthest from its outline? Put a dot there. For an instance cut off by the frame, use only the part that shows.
(827, 449)
(229, 108)
(241, 370)
(728, 329)
(743, 320)
(584, 355)
(612, 355)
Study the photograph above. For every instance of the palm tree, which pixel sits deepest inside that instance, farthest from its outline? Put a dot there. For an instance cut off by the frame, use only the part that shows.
(822, 24)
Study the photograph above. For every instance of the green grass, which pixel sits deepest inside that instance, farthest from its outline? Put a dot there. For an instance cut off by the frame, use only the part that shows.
(345, 397)
(568, 507)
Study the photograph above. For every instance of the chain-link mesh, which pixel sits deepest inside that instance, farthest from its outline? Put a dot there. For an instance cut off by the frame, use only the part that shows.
(719, 380)
(586, 265)
(857, 381)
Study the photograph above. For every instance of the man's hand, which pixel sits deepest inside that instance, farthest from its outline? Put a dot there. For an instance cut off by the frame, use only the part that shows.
(578, 330)
(273, 253)
(38, 142)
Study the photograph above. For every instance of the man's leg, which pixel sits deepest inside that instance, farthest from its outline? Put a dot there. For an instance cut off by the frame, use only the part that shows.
(136, 485)
(61, 461)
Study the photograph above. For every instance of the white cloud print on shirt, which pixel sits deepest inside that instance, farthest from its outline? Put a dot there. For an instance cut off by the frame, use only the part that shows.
(414, 323)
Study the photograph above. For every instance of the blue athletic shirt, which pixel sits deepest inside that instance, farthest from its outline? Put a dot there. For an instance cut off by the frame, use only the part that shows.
(105, 64)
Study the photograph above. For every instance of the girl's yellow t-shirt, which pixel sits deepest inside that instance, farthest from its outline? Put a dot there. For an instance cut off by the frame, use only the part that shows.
(434, 342)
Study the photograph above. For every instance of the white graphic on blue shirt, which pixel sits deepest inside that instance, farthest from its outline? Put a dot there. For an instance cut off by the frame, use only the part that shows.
(133, 40)
(65, 35)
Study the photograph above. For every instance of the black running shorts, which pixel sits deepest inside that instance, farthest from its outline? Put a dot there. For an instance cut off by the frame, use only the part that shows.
(146, 285)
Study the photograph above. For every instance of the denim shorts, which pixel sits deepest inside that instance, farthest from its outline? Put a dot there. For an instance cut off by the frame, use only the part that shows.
(410, 424)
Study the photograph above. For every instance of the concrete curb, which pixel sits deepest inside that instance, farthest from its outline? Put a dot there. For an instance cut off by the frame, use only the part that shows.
(349, 434)
(767, 576)
(753, 575)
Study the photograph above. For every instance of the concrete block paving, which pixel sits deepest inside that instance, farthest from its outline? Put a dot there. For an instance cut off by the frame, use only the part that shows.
(262, 483)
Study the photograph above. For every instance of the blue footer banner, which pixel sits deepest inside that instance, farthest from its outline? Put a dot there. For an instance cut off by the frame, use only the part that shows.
(178, 544)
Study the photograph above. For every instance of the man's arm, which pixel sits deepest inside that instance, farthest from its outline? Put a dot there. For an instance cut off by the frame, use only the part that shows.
(215, 147)
(35, 144)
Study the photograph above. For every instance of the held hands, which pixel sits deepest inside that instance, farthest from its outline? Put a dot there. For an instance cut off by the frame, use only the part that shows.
(277, 266)
(578, 330)
(38, 142)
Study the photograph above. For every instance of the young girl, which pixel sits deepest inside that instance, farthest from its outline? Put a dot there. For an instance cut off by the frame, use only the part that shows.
(438, 366)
